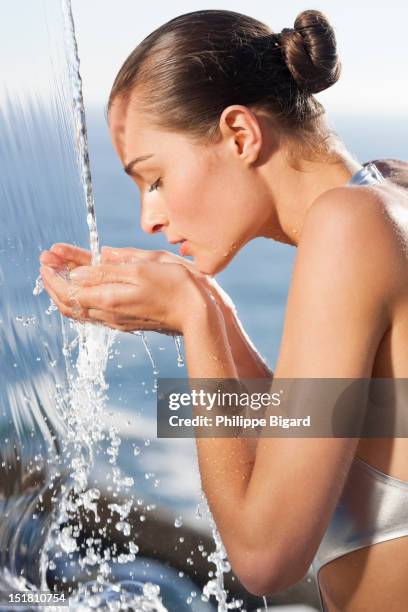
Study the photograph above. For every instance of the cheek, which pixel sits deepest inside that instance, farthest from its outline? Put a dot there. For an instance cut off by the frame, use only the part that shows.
(192, 197)
(204, 202)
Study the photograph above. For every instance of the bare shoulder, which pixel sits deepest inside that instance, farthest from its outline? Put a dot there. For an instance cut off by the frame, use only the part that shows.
(382, 206)
(360, 224)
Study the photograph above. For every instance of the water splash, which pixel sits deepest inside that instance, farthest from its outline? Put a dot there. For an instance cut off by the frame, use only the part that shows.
(215, 586)
(81, 407)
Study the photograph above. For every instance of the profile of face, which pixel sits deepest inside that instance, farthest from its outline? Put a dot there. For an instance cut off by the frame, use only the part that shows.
(208, 195)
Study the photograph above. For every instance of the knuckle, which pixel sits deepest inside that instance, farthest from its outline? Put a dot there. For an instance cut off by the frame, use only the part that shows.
(101, 276)
(101, 299)
(108, 300)
(65, 310)
(139, 267)
(150, 255)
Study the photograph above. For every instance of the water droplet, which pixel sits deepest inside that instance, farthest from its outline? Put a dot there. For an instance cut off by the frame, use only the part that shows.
(39, 286)
(198, 513)
(124, 527)
(133, 548)
(178, 521)
(180, 360)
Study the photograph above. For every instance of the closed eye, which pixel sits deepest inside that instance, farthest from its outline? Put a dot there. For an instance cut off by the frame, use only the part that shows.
(155, 186)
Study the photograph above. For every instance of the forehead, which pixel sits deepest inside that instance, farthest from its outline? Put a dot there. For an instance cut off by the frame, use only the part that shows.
(130, 131)
(134, 135)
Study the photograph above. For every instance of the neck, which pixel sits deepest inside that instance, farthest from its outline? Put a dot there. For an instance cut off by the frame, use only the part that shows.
(294, 188)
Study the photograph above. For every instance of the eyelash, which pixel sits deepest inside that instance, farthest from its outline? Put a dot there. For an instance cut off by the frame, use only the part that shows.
(155, 185)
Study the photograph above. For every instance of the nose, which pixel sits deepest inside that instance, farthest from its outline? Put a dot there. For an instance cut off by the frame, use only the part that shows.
(152, 222)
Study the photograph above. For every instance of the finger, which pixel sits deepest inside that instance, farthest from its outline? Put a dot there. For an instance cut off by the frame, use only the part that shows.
(110, 297)
(104, 316)
(48, 258)
(74, 254)
(63, 292)
(127, 255)
(117, 254)
(87, 276)
(66, 310)
(51, 260)
(117, 298)
(128, 324)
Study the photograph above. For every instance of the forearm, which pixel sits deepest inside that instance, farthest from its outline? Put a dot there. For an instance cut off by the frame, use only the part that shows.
(225, 463)
(249, 363)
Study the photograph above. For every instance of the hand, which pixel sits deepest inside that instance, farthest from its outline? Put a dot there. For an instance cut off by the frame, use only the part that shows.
(130, 290)
(67, 257)
(127, 255)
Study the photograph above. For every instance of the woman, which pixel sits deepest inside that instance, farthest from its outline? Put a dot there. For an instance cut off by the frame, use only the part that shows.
(213, 116)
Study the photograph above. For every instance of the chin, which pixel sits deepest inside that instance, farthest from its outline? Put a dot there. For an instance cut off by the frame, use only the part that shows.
(214, 265)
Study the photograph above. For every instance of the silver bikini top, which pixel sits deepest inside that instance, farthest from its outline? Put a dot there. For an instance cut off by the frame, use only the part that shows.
(368, 175)
(373, 507)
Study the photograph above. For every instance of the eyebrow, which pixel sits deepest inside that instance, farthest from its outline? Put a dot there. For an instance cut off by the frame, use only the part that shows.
(129, 167)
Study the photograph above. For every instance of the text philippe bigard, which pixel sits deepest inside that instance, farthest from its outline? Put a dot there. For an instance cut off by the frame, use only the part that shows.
(207, 400)
(238, 421)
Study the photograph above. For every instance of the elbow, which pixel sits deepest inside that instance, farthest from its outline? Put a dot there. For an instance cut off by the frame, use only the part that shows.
(265, 573)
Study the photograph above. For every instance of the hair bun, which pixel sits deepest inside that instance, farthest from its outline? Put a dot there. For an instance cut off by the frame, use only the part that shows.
(310, 52)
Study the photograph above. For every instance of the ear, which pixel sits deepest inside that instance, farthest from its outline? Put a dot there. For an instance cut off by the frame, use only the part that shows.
(241, 131)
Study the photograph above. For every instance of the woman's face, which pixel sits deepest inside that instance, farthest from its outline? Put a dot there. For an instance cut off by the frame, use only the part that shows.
(200, 194)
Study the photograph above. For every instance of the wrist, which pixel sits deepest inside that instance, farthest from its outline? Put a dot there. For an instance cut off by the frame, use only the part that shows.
(207, 349)
(199, 308)
(206, 315)
(221, 298)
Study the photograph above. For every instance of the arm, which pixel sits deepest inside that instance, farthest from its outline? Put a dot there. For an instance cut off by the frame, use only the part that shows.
(248, 362)
(270, 514)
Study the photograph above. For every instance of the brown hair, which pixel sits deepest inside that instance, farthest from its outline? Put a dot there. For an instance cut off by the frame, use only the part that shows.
(192, 67)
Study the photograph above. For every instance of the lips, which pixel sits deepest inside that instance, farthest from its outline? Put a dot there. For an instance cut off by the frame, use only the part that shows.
(183, 248)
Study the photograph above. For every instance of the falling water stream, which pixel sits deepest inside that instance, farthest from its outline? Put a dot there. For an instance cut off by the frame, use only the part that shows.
(52, 425)
(95, 342)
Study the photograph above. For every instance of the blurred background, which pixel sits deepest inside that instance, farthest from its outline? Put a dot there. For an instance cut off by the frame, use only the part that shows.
(42, 204)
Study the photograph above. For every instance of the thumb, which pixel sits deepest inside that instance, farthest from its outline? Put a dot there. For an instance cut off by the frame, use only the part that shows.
(118, 255)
